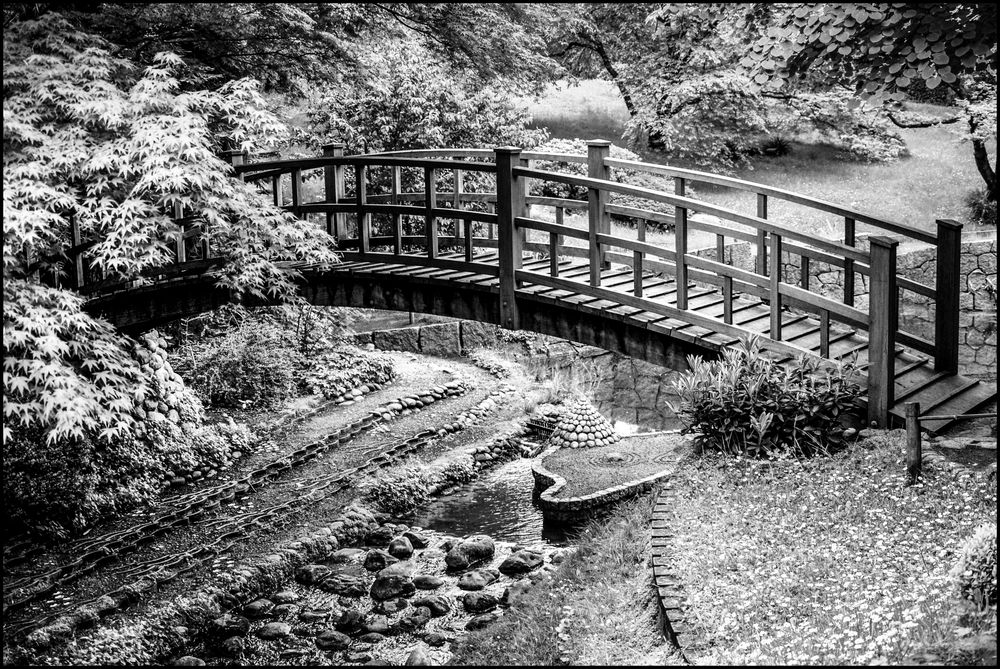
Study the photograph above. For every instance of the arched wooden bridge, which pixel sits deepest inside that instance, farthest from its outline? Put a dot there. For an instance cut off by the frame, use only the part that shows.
(489, 251)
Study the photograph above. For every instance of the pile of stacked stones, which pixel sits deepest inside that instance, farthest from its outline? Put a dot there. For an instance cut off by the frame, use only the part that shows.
(582, 426)
(171, 400)
(412, 403)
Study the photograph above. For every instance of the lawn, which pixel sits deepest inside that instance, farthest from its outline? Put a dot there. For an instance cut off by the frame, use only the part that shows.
(929, 184)
(830, 560)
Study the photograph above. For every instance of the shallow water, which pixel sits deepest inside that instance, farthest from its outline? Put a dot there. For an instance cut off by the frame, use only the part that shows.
(498, 504)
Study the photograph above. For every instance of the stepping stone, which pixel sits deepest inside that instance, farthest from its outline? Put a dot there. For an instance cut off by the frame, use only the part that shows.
(400, 548)
(478, 579)
(521, 562)
(479, 602)
(272, 631)
(469, 552)
(426, 582)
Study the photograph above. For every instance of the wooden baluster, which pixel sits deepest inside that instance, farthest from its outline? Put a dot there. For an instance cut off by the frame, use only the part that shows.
(824, 333)
(430, 202)
(599, 221)
(849, 263)
(491, 208)
(947, 291)
(883, 320)
(296, 192)
(680, 245)
(76, 240)
(397, 222)
(180, 249)
(456, 198)
(637, 271)
(804, 272)
(361, 200)
(727, 297)
(333, 185)
(553, 254)
(276, 190)
(510, 205)
(775, 287)
(762, 237)
(468, 238)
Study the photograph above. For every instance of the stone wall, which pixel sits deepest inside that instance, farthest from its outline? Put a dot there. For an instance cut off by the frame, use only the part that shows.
(441, 339)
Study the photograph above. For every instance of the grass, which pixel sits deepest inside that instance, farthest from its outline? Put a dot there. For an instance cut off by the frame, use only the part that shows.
(931, 183)
(588, 470)
(831, 560)
(597, 608)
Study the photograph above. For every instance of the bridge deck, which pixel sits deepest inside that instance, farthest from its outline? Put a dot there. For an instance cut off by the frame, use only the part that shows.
(915, 378)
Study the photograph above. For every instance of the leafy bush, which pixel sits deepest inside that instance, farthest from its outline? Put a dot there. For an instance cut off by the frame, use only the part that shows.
(399, 491)
(982, 209)
(459, 472)
(976, 569)
(776, 146)
(745, 402)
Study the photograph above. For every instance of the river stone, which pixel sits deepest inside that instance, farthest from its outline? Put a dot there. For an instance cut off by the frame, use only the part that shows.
(273, 631)
(332, 640)
(285, 610)
(380, 536)
(479, 622)
(438, 605)
(416, 539)
(311, 574)
(232, 647)
(391, 606)
(258, 608)
(435, 639)
(401, 548)
(228, 625)
(477, 579)
(417, 658)
(378, 559)
(469, 552)
(427, 582)
(190, 661)
(347, 555)
(479, 602)
(312, 615)
(514, 591)
(391, 583)
(521, 562)
(351, 621)
(377, 626)
(371, 638)
(359, 657)
(284, 597)
(345, 585)
(415, 619)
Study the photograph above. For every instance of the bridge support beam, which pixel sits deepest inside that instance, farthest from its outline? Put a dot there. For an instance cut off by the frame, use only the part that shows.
(947, 291)
(883, 321)
(511, 204)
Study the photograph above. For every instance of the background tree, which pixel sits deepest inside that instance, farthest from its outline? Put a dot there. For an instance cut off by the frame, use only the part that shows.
(882, 51)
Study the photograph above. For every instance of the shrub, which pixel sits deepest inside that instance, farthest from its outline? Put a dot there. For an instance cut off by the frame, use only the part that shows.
(776, 146)
(399, 491)
(459, 472)
(335, 372)
(745, 402)
(976, 569)
(982, 209)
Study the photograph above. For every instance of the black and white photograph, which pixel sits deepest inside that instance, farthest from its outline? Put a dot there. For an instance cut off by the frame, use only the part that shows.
(499, 334)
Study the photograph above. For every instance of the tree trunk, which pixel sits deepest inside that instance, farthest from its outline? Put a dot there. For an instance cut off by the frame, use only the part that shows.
(615, 76)
(984, 167)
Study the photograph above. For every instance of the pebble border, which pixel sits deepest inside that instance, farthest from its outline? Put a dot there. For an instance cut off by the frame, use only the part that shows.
(672, 602)
(573, 508)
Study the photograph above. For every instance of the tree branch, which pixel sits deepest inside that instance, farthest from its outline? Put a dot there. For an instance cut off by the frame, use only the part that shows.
(922, 124)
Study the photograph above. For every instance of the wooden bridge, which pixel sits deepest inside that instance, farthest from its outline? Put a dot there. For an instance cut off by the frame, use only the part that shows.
(476, 251)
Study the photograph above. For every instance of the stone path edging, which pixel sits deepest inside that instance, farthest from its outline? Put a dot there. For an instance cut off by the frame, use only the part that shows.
(670, 597)
(568, 508)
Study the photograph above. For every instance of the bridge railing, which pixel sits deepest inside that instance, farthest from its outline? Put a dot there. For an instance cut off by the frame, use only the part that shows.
(491, 230)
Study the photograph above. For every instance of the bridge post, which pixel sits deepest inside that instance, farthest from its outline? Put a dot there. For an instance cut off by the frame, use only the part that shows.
(511, 193)
(235, 158)
(599, 221)
(883, 320)
(947, 291)
(333, 182)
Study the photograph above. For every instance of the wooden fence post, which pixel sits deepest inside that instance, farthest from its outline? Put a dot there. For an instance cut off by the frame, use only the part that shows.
(913, 445)
(948, 289)
(599, 221)
(883, 319)
(681, 245)
(235, 158)
(333, 183)
(510, 205)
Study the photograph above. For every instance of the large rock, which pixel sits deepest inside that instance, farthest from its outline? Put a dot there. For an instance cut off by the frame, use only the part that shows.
(378, 559)
(477, 579)
(416, 539)
(521, 562)
(402, 339)
(351, 621)
(332, 640)
(417, 658)
(479, 602)
(416, 619)
(392, 582)
(400, 548)
(472, 551)
(228, 625)
(478, 335)
(345, 585)
(440, 339)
